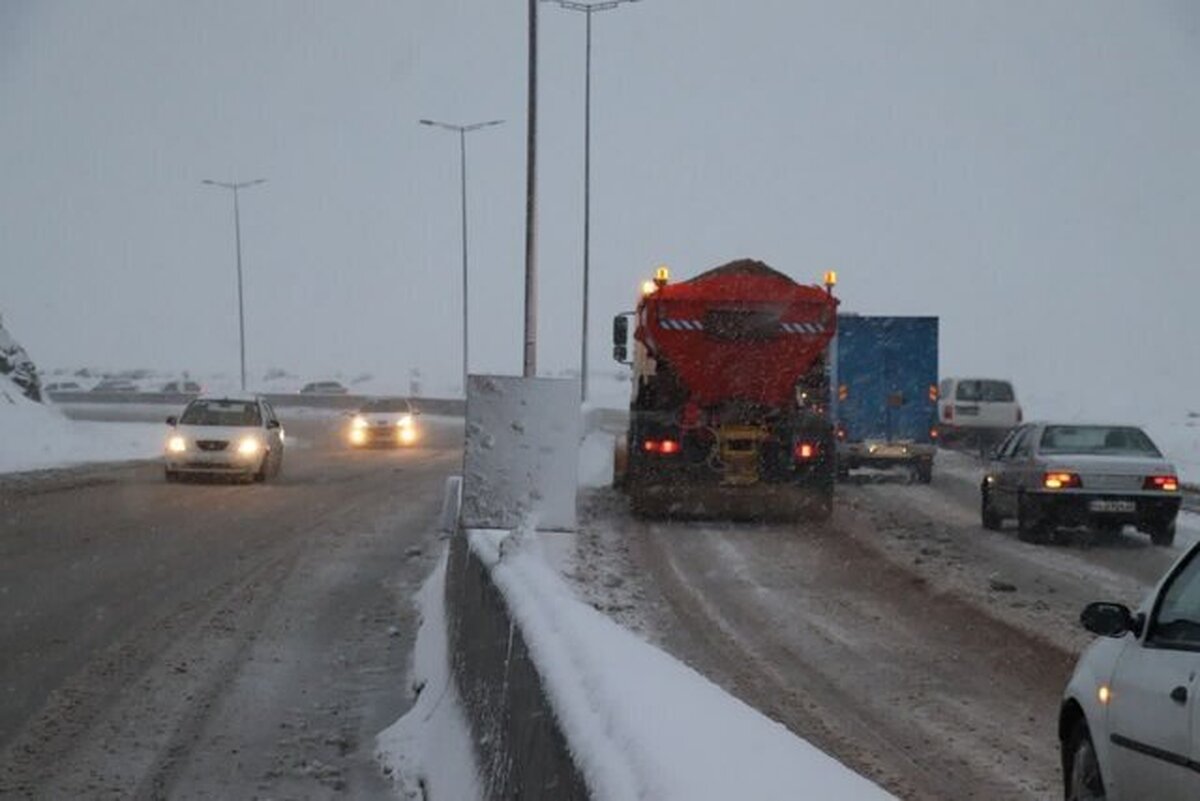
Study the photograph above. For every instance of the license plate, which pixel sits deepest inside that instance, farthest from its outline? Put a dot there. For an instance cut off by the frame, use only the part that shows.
(1112, 506)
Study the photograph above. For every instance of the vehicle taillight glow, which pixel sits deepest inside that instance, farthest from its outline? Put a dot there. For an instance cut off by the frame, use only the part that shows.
(933, 433)
(804, 451)
(1164, 483)
(669, 446)
(1061, 481)
(663, 446)
(933, 393)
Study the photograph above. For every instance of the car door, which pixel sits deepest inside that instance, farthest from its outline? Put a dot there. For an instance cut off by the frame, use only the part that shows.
(1008, 474)
(274, 430)
(1153, 709)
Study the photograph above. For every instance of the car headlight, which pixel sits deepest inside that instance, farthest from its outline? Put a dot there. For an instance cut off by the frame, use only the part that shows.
(359, 421)
(176, 444)
(405, 421)
(249, 446)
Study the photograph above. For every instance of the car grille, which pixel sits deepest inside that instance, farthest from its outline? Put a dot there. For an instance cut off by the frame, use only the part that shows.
(212, 444)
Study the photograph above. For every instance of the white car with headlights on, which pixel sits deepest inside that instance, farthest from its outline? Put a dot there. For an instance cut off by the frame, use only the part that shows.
(384, 421)
(1129, 724)
(225, 436)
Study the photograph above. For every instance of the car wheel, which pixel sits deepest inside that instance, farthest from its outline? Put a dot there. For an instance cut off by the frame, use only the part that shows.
(1030, 527)
(1081, 773)
(261, 475)
(1163, 533)
(991, 519)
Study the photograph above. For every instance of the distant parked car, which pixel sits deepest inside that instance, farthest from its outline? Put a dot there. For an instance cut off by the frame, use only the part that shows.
(1058, 474)
(63, 387)
(1127, 724)
(384, 421)
(323, 388)
(976, 411)
(116, 385)
(181, 388)
(233, 436)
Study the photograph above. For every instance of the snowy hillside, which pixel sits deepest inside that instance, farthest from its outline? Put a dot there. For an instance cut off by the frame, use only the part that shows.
(37, 436)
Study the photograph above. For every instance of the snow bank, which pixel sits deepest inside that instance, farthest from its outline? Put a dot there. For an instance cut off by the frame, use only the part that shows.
(642, 725)
(35, 436)
(429, 751)
(596, 459)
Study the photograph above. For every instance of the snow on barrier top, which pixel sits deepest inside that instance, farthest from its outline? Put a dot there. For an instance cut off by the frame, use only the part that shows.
(640, 724)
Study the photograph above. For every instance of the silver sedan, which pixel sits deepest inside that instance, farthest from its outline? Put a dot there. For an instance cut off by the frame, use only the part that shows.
(1047, 475)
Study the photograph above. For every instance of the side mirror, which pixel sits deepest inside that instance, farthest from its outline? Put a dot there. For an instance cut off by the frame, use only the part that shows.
(1109, 619)
(172, 421)
(621, 338)
(272, 424)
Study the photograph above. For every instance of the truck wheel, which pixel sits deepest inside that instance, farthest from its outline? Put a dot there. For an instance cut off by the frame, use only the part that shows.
(1163, 533)
(1030, 526)
(992, 520)
(924, 471)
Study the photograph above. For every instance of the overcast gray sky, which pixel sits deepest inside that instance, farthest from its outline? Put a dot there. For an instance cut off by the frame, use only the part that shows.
(1028, 171)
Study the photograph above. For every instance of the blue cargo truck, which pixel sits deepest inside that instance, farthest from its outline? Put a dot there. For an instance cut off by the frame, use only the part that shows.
(884, 391)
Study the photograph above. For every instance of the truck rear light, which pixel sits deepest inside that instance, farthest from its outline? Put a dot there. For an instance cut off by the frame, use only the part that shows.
(933, 433)
(1164, 483)
(933, 393)
(805, 451)
(1061, 481)
(663, 446)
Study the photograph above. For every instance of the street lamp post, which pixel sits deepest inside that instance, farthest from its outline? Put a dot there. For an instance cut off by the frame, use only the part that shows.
(587, 9)
(462, 131)
(237, 238)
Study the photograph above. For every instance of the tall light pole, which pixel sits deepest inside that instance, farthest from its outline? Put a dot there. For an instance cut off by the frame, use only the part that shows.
(237, 238)
(587, 9)
(462, 131)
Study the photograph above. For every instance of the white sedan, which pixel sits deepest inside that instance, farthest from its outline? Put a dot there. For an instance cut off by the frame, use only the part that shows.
(384, 421)
(231, 436)
(1129, 726)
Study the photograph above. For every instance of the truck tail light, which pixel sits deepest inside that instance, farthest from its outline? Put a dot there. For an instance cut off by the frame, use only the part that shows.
(933, 433)
(1061, 481)
(840, 431)
(933, 393)
(663, 446)
(805, 451)
(1164, 483)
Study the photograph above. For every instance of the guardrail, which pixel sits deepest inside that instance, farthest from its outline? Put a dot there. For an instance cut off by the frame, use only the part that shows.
(447, 406)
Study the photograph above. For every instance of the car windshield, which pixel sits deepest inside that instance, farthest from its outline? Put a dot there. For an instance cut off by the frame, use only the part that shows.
(221, 413)
(984, 390)
(386, 405)
(1106, 440)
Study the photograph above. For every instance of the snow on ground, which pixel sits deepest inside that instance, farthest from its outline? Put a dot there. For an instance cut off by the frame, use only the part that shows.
(596, 459)
(37, 436)
(642, 724)
(429, 752)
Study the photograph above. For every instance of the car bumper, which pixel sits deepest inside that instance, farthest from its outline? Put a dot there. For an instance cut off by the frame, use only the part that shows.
(1083, 508)
(213, 464)
(382, 436)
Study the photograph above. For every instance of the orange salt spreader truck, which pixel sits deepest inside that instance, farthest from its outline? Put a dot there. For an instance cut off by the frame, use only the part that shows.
(729, 415)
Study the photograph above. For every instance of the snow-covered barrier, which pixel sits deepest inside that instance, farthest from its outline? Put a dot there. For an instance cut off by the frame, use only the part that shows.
(566, 704)
(520, 748)
(522, 452)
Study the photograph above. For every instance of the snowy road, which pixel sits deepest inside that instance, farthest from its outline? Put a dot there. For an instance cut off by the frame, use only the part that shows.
(904, 639)
(213, 641)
